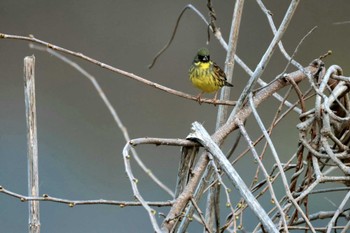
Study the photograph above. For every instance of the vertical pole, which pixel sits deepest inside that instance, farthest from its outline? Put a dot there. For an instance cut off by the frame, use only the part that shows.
(212, 214)
(33, 173)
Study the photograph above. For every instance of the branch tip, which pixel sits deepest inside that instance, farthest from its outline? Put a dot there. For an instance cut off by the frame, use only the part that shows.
(329, 52)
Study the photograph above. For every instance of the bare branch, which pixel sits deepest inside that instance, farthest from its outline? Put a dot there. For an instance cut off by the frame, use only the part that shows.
(163, 141)
(113, 69)
(73, 203)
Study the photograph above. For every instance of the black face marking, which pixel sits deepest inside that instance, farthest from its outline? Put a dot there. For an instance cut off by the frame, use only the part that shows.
(203, 58)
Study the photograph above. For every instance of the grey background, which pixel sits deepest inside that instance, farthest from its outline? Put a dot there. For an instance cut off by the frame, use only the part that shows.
(79, 143)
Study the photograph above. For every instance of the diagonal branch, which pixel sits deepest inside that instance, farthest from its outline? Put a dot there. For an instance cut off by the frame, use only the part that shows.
(201, 135)
(113, 69)
(267, 177)
(266, 57)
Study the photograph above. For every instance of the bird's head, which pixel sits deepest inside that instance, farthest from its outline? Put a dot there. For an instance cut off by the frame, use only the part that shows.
(203, 55)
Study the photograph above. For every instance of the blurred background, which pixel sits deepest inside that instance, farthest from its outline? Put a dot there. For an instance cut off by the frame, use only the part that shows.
(80, 146)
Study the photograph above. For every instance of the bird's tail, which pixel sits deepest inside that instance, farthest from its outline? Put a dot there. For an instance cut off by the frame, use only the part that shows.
(228, 84)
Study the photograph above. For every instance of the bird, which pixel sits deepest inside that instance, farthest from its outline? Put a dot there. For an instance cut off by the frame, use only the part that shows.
(206, 75)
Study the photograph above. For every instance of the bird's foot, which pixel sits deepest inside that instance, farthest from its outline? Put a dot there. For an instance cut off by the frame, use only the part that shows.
(198, 98)
(215, 100)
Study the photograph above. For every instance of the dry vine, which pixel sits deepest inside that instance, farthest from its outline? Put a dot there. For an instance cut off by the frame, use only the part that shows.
(322, 155)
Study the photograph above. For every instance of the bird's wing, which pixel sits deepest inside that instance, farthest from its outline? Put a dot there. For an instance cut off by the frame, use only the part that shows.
(221, 75)
(219, 71)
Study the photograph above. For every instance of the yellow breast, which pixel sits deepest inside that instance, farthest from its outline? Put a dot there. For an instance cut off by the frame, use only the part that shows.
(202, 77)
(203, 65)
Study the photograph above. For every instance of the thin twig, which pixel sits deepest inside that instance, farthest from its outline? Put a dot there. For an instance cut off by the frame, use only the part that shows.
(267, 177)
(299, 94)
(274, 30)
(72, 203)
(339, 210)
(316, 216)
(278, 162)
(200, 215)
(274, 122)
(187, 7)
(221, 183)
(133, 181)
(346, 227)
(290, 58)
(212, 16)
(326, 190)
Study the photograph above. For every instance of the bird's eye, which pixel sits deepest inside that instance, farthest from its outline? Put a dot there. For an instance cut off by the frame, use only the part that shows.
(203, 58)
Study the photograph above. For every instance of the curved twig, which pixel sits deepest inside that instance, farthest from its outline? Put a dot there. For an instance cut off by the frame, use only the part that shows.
(133, 181)
(187, 7)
